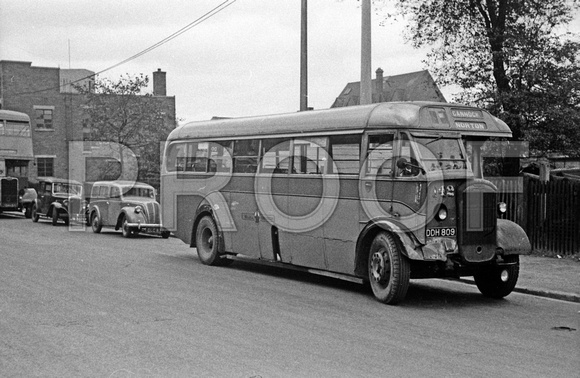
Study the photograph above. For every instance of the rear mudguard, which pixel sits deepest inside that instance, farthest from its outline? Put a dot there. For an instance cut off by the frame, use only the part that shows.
(512, 239)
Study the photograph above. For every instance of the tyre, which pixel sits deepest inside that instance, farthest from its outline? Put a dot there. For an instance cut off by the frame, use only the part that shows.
(28, 212)
(165, 234)
(96, 224)
(207, 243)
(498, 281)
(54, 217)
(127, 231)
(389, 271)
(34, 213)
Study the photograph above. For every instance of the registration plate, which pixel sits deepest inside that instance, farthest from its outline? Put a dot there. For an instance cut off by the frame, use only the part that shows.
(440, 232)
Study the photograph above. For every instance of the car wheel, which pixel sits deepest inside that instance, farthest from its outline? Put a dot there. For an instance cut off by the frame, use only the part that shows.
(27, 212)
(54, 217)
(96, 223)
(208, 244)
(498, 281)
(165, 234)
(388, 270)
(127, 232)
(34, 214)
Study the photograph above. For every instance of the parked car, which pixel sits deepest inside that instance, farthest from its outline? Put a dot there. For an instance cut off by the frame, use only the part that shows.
(58, 199)
(26, 200)
(125, 205)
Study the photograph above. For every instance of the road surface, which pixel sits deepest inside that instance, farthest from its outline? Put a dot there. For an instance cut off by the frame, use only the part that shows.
(78, 304)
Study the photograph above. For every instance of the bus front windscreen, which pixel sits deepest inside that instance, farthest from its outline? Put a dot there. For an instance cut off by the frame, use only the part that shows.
(441, 153)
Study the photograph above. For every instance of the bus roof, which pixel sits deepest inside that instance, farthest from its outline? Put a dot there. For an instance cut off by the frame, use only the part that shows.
(414, 116)
(13, 116)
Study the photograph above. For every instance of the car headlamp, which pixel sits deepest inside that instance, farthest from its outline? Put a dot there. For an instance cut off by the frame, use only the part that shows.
(138, 209)
(441, 213)
(502, 207)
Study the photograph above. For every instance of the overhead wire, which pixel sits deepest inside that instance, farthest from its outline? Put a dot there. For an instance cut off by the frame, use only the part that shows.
(176, 34)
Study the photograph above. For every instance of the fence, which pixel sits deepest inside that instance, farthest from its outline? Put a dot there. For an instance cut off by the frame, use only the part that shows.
(548, 211)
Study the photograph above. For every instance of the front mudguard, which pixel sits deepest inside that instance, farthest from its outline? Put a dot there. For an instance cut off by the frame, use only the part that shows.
(410, 246)
(60, 208)
(512, 238)
(131, 215)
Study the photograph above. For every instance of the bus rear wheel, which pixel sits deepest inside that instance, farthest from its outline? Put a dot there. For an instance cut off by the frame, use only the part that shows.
(207, 243)
(389, 271)
(498, 281)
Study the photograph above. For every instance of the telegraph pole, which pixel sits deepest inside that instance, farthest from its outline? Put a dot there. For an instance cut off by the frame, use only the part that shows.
(304, 58)
(365, 68)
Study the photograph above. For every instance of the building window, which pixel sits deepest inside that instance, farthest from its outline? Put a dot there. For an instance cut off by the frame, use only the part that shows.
(17, 168)
(45, 166)
(44, 117)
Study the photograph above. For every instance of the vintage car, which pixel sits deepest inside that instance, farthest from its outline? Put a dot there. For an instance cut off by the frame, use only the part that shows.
(125, 205)
(58, 199)
(26, 200)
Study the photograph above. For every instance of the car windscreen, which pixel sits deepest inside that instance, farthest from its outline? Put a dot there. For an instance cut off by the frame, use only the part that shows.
(64, 188)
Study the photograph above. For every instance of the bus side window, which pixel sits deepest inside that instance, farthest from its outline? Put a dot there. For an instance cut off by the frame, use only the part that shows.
(246, 155)
(197, 157)
(345, 152)
(220, 156)
(380, 155)
(275, 155)
(176, 157)
(310, 156)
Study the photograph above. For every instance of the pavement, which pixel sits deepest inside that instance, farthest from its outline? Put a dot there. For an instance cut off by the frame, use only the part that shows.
(551, 277)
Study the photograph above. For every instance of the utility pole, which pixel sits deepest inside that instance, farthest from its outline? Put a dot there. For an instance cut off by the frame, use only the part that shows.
(365, 68)
(304, 58)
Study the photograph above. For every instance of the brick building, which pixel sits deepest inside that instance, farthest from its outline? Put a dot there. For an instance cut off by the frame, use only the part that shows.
(56, 109)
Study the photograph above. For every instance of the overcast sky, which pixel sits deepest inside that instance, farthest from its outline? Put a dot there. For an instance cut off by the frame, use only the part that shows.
(243, 61)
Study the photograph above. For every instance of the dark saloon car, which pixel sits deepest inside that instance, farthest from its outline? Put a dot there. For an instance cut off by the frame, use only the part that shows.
(125, 205)
(58, 199)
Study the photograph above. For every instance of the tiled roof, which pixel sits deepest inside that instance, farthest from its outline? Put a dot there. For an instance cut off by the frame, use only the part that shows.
(412, 86)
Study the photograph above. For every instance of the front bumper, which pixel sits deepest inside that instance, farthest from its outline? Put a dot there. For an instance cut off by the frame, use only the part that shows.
(139, 226)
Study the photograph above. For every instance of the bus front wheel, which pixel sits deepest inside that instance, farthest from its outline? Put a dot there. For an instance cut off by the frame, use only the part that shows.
(389, 271)
(498, 281)
(207, 242)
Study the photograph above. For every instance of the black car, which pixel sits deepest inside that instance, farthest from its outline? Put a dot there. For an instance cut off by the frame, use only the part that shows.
(58, 199)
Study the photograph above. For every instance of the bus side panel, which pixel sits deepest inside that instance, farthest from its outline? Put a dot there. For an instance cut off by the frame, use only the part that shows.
(303, 246)
(342, 228)
(243, 208)
(268, 221)
(186, 208)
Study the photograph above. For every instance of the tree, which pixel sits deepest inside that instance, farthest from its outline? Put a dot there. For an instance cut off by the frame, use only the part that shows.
(119, 111)
(506, 56)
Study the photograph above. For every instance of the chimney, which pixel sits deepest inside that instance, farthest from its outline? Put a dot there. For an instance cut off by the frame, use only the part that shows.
(159, 83)
(379, 84)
